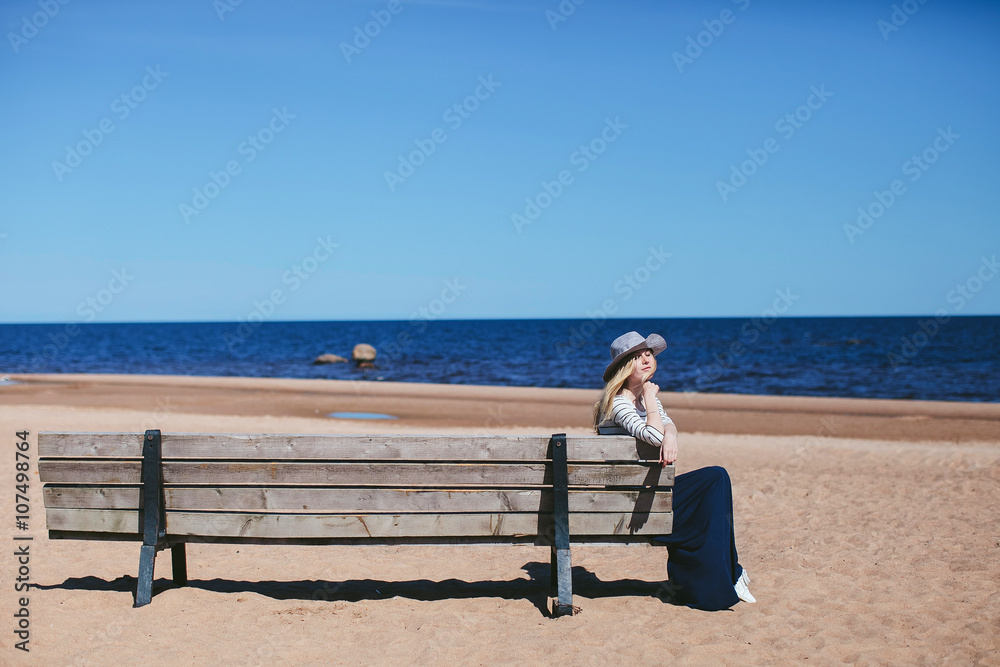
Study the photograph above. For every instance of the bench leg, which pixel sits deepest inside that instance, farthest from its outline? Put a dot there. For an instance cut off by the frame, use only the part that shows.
(144, 586)
(151, 513)
(562, 568)
(564, 583)
(178, 558)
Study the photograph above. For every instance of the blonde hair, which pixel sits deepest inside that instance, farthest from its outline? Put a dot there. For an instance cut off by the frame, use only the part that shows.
(602, 409)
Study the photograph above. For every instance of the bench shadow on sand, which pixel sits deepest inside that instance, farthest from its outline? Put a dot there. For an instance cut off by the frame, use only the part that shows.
(535, 588)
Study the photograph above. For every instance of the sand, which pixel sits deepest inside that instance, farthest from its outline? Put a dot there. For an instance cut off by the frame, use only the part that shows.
(869, 528)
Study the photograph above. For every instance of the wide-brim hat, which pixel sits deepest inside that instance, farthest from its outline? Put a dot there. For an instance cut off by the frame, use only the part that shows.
(631, 342)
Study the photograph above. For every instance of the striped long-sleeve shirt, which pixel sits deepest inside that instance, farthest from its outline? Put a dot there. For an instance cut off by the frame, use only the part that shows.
(625, 414)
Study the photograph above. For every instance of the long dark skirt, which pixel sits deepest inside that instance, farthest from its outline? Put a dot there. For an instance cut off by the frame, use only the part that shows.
(702, 562)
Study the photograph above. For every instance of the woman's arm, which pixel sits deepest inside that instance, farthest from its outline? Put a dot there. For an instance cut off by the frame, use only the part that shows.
(624, 414)
(663, 413)
(653, 407)
(668, 448)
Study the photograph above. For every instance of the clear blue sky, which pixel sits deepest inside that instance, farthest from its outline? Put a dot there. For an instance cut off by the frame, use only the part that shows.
(203, 84)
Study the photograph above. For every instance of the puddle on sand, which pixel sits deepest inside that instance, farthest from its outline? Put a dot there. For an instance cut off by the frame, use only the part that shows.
(359, 415)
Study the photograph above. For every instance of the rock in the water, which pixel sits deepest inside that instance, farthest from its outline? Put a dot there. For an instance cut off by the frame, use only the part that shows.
(328, 359)
(363, 352)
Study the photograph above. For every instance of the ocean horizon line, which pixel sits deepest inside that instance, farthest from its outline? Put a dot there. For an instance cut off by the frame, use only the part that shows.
(507, 319)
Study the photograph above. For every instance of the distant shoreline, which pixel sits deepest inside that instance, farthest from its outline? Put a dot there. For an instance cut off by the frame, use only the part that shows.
(420, 407)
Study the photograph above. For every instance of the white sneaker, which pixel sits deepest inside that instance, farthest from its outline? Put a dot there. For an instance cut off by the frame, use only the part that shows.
(742, 590)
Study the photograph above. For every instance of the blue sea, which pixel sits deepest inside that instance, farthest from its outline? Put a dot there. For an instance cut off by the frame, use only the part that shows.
(953, 359)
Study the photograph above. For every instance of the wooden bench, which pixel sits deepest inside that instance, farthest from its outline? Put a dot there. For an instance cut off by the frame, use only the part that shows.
(169, 489)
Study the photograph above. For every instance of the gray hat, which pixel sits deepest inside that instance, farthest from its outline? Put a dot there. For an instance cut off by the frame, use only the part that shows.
(631, 342)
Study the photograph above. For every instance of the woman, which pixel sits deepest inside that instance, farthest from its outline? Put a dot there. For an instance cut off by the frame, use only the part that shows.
(702, 563)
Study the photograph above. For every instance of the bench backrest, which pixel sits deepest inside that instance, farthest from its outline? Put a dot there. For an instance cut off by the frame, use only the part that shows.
(343, 488)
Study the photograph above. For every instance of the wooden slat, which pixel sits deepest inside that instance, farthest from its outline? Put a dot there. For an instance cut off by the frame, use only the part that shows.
(352, 500)
(52, 443)
(286, 526)
(438, 541)
(92, 497)
(101, 521)
(70, 471)
(364, 447)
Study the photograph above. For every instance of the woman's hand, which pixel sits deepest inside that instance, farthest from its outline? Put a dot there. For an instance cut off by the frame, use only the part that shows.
(650, 390)
(668, 449)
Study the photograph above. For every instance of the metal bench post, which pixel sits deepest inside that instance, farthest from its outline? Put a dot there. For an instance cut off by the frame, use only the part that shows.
(153, 515)
(562, 566)
(178, 557)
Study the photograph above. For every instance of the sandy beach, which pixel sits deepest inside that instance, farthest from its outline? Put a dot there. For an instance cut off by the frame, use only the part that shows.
(869, 528)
